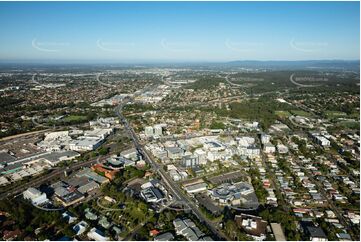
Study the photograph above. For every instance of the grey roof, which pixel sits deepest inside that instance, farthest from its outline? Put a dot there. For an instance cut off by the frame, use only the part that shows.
(71, 196)
(344, 236)
(89, 215)
(11, 167)
(61, 191)
(189, 223)
(206, 238)
(190, 234)
(88, 187)
(157, 192)
(198, 232)
(87, 172)
(196, 186)
(117, 230)
(174, 150)
(164, 237)
(5, 157)
(58, 184)
(207, 202)
(104, 222)
(55, 156)
(179, 224)
(129, 151)
(78, 181)
(152, 193)
(316, 232)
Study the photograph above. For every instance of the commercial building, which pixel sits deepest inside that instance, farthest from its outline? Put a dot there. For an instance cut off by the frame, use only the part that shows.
(230, 177)
(152, 195)
(190, 161)
(131, 154)
(158, 130)
(35, 196)
(149, 131)
(199, 187)
(54, 158)
(55, 141)
(245, 141)
(231, 193)
(86, 188)
(85, 143)
(174, 152)
(87, 172)
(91, 140)
(70, 198)
(202, 156)
(321, 140)
(154, 131)
(108, 172)
(208, 204)
(174, 174)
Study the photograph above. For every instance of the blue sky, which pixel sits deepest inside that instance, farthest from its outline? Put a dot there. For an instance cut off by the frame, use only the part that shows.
(179, 31)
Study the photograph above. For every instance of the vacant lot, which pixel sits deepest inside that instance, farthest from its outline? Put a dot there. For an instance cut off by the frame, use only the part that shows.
(283, 114)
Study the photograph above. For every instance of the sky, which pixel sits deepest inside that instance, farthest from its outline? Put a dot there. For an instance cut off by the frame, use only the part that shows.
(178, 31)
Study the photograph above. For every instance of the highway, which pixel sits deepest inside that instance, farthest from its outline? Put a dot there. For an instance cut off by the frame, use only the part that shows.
(172, 187)
(103, 83)
(299, 84)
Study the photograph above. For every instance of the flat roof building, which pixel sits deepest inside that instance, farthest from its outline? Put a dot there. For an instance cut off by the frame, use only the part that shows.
(199, 187)
(35, 196)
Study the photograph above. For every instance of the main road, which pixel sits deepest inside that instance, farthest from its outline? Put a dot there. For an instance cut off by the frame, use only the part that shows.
(173, 187)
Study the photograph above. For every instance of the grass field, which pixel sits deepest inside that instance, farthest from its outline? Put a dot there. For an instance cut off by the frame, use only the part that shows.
(74, 118)
(283, 114)
(355, 115)
(301, 113)
(349, 124)
(334, 114)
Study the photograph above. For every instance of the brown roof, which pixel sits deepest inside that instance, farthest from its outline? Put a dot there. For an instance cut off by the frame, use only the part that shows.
(192, 182)
(11, 234)
(258, 231)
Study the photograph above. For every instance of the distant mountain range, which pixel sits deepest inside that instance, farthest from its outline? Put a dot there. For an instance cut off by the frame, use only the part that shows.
(319, 65)
(350, 65)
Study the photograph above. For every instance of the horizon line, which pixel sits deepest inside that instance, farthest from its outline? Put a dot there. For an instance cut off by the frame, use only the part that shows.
(105, 61)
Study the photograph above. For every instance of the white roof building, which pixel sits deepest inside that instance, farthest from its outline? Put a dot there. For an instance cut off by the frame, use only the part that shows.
(97, 235)
(282, 149)
(80, 227)
(35, 196)
(269, 148)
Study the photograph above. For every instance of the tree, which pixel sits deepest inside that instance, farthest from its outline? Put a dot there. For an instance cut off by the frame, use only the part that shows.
(103, 151)
(217, 125)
